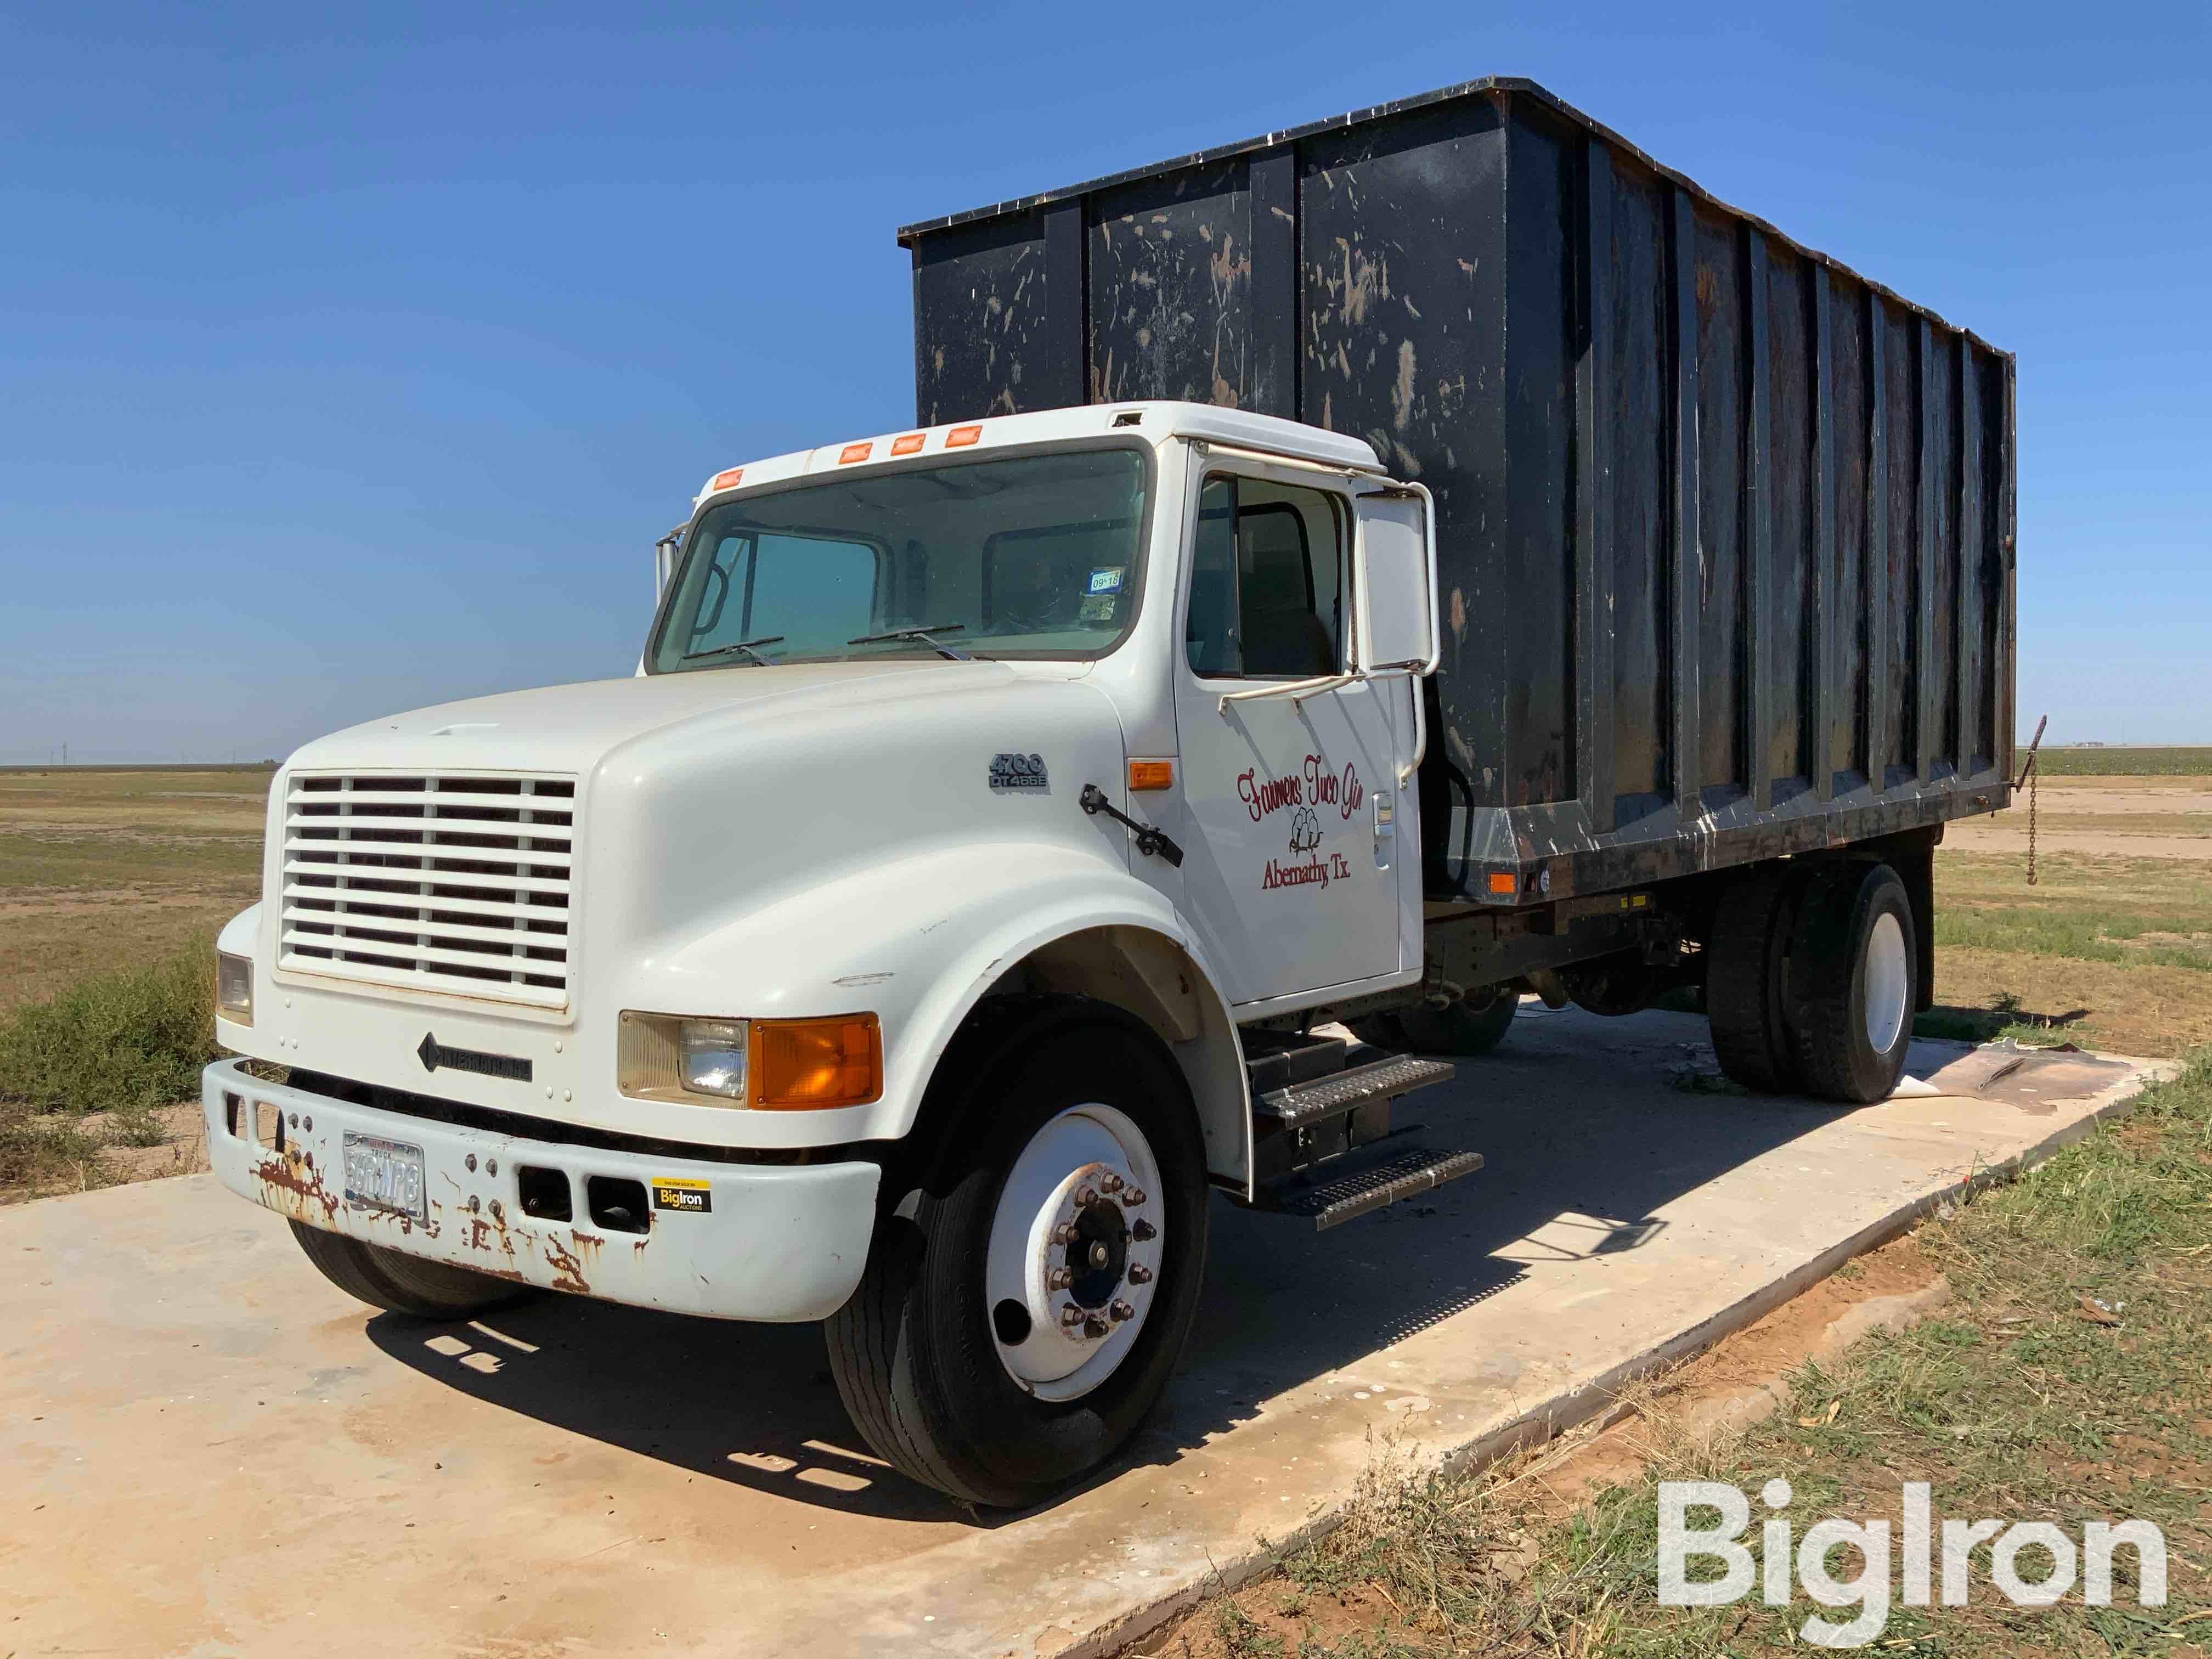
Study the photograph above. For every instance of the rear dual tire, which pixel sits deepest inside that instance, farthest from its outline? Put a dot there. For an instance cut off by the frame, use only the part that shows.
(1473, 1025)
(1811, 980)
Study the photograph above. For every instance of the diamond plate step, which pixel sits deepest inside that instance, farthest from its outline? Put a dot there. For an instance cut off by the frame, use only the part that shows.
(1304, 1103)
(1330, 1203)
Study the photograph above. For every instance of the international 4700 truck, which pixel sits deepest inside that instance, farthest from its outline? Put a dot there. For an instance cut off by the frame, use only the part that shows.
(1350, 579)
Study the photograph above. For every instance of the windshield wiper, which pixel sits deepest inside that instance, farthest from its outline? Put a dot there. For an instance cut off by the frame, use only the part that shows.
(923, 634)
(745, 646)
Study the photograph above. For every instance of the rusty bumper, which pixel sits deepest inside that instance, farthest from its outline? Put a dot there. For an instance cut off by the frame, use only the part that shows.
(735, 1240)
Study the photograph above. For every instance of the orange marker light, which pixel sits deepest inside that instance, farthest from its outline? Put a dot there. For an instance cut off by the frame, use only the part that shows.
(852, 453)
(909, 444)
(727, 480)
(803, 1065)
(1502, 881)
(961, 436)
(1152, 774)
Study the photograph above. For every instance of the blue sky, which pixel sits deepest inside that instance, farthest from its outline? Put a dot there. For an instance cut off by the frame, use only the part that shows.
(354, 366)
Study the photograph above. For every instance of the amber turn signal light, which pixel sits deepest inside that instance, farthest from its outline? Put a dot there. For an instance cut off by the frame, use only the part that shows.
(1152, 774)
(1502, 881)
(806, 1064)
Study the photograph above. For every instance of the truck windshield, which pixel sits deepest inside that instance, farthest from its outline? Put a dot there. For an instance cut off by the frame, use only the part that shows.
(1034, 556)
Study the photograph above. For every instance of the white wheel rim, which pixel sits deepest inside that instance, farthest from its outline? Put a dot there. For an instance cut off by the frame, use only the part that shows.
(1887, 981)
(1079, 1225)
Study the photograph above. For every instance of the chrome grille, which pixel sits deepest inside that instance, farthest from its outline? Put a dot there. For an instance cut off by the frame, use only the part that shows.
(444, 882)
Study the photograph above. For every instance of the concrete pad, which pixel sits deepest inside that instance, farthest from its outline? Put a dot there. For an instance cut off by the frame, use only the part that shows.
(212, 1450)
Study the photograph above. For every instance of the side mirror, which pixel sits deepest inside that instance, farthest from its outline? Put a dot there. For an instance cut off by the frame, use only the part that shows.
(663, 559)
(1395, 573)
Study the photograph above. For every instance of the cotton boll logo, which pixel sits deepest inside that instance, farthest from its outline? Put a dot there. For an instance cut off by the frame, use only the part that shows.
(1305, 831)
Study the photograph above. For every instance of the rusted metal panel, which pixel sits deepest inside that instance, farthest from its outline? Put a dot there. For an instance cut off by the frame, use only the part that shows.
(1684, 539)
(1849, 434)
(1637, 438)
(1726, 530)
(1730, 519)
(1593, 531)
(1171, 279)
(1788, 486)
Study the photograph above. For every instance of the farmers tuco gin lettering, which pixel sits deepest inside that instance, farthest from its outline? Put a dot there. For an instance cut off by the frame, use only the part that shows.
(1313, 784)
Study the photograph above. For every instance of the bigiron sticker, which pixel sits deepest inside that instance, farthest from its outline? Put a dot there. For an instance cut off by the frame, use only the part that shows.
(673, 1193)
(1019, 775)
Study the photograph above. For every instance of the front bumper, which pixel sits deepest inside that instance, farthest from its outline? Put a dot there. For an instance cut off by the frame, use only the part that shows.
(776, 1243)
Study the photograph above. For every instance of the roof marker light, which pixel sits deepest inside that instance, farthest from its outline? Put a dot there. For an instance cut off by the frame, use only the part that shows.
(908, 445)
(727, 480)
(961, 436)
(852, 453)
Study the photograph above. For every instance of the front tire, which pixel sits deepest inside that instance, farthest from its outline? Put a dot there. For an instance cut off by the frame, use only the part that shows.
(403, 1283)
(1076, 1180)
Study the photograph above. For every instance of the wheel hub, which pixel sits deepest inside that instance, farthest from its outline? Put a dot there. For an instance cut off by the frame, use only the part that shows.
(1075, 1253)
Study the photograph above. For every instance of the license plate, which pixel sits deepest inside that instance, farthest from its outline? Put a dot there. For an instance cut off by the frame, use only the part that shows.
(384, 1175)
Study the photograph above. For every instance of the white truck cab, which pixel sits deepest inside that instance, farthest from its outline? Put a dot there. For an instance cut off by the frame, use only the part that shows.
(911, 944)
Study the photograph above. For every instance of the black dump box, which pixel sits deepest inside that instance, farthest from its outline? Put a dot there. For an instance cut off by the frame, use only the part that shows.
(1725, 529)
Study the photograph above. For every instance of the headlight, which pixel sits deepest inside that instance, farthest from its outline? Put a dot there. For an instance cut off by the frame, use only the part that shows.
(773, 1064)
(234, 987)
(714, 1055)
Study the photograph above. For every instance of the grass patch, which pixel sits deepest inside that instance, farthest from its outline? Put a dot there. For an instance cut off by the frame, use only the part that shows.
(2016, 1402)
(2131, 763)
(118, 1042)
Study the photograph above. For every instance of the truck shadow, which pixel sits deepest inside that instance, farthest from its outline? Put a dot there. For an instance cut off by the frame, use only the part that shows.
(1588, 1136)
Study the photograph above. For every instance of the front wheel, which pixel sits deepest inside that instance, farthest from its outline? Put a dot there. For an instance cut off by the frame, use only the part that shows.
(403, 1283)
(1009, 1337)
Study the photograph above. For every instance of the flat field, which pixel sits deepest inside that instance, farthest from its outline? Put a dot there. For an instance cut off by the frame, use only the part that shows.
(100, 870)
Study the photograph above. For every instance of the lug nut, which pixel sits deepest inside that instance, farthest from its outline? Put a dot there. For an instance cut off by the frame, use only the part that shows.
(1109, 1184)
(475, 1204)
(1071, 1315)
(1143, 1231)
(1139, 1274)
(469, 1163)
(1094, 1329)
(1085, 1197)
(1121, 1310)
(1059, 1279)
(495, 1211)
(1132, 1198)
(491, 1166)
(1064, 1233)
(308, 1124)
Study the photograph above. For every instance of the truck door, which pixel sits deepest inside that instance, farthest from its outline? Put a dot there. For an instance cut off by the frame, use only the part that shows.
(1289, 762)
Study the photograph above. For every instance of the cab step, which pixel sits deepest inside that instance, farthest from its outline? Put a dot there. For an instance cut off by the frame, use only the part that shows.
(1316, 1099)
(1338, 1192)
(1299, 1105)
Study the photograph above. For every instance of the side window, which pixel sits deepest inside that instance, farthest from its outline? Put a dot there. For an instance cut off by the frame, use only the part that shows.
(1267, 582)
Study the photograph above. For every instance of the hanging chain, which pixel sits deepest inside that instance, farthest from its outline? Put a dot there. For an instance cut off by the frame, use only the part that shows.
(2031, 775)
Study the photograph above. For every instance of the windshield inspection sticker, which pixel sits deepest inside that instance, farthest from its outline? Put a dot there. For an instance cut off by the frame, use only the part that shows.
(672, 1192)
(1106, 581)
(1019, 775)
